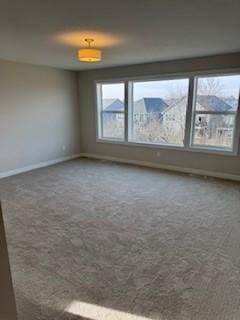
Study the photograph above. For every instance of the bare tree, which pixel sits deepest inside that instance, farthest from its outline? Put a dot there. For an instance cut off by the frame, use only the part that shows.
(210, 86)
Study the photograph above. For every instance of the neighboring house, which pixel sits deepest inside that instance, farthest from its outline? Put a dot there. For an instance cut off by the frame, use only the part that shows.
(212, 103)
(113, 109)
(112, 105)
(147, 109)
(231, 101)
(171, 113)
(209, 123)
(174, 116)
(149, 105)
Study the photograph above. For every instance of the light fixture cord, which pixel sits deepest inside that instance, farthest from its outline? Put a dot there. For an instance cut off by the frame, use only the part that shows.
(89, 41)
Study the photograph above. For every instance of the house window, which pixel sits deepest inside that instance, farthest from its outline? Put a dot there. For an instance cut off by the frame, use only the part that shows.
(215, 111)
(111, 111)
(157, 111)
(199, 113)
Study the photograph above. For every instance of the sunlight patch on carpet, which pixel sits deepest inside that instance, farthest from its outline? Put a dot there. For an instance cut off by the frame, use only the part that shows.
(94, 312)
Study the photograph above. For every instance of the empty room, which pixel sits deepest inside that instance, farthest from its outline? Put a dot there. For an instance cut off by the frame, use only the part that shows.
(119, 160)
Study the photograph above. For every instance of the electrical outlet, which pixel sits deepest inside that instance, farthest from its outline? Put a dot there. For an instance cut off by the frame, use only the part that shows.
(158, 154)
(63, 148)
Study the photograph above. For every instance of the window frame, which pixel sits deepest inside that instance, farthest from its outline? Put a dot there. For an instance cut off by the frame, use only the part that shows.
(190, 113)
(100, 112)
(130, 105)
(215, 149)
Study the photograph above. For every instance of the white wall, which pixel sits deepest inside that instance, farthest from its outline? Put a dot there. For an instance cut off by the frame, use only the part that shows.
(183, 159)
(39, 115)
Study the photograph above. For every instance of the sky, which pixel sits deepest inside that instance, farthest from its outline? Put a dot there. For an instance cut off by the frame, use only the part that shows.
(167, 88)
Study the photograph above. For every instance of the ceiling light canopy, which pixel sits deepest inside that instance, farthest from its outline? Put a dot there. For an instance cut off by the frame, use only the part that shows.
(89, 54)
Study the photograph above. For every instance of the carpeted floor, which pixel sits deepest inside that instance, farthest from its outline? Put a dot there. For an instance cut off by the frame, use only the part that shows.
(101, 241)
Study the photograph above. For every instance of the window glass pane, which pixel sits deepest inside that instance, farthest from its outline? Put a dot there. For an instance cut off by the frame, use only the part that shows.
(219, 94)
(217, 99)
(113, 125)
(159, 111)
(111, 111)
(214, 130)
(113, 97)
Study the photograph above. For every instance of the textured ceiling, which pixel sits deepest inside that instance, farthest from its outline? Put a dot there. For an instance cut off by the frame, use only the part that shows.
(129, 32)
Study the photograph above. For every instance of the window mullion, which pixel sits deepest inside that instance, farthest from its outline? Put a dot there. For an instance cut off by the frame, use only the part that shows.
(99, 112)
(236, 137)
(126, 111)
(130, 110)
(190, 113)
(215, 112)
(113, 112)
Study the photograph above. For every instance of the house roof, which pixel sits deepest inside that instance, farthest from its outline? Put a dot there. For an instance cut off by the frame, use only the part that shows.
(209, 103)
(150, 105)
(113, 105)
(212, 103)
(232, 101)
(176, 102)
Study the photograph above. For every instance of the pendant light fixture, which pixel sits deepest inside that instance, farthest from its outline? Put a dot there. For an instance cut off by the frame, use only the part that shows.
(89, 54)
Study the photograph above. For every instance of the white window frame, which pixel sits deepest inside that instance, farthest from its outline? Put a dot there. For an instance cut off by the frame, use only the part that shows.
(207, 148)
(100, 112)
(190, 114)
(130, 105)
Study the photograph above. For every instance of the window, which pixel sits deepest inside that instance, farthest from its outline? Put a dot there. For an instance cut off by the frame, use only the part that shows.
(158, 111)
(192, 113)
(111, 110)
(215, 111)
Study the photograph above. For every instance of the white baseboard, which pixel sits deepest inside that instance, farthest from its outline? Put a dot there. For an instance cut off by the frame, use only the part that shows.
(149, 164)
(38, 166)
(200, 172)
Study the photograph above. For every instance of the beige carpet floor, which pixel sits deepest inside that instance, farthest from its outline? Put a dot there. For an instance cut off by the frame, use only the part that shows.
(102, 241)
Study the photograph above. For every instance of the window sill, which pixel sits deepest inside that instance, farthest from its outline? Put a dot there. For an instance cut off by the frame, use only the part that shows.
(199, 149)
